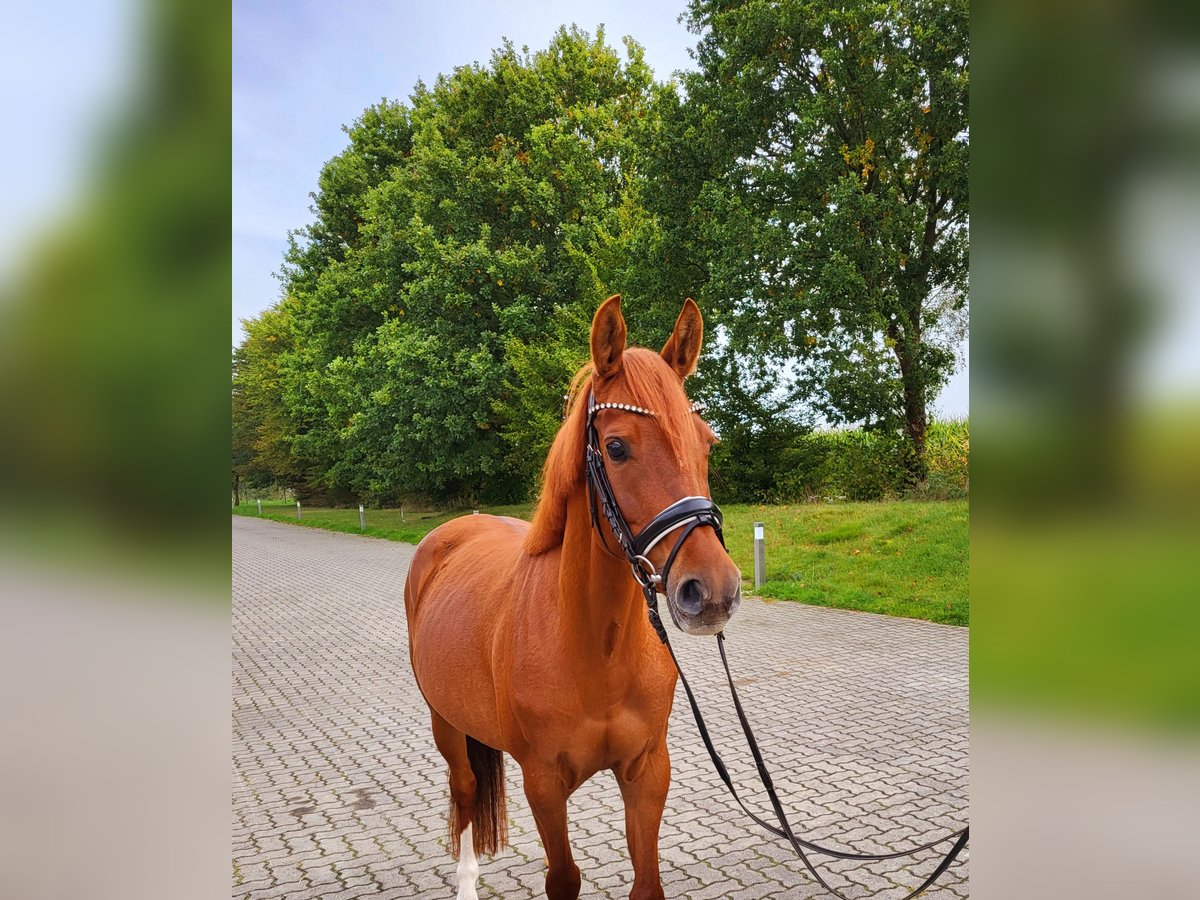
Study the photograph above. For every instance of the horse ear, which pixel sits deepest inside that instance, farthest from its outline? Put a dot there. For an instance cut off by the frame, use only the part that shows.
(682, 348)
(608, 337)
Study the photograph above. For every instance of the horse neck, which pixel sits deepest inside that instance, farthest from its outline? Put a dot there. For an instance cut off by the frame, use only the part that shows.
(600, 604)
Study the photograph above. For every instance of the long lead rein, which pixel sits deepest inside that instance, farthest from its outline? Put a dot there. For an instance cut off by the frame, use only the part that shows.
(785, 830)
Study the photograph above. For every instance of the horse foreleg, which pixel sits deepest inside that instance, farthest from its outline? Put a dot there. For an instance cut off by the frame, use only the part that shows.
(547, 794)
(644, 786)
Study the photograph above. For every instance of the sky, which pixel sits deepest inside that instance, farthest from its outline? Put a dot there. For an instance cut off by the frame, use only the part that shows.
(302, 70)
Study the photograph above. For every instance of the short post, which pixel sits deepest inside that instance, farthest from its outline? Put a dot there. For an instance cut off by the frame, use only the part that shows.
(297, 510)
(760, 556)
(260, 507)
(362, 518)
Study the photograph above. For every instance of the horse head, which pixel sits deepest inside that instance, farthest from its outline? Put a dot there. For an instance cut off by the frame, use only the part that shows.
(655, 447)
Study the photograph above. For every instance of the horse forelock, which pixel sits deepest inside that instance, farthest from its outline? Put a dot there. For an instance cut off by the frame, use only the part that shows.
(645, 380)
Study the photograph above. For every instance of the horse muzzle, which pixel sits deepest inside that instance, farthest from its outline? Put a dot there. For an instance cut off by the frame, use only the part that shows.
(699, 606)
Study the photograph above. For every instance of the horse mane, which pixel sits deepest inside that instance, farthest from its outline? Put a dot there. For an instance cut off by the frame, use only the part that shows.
(645, 380)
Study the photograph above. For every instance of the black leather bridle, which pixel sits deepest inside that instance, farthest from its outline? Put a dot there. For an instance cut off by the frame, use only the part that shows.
(689, 514)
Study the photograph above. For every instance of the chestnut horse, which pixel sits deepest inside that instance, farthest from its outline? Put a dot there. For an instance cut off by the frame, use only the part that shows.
(532, 639)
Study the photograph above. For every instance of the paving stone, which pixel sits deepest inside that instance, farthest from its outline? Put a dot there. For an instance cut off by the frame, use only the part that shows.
(338, 791)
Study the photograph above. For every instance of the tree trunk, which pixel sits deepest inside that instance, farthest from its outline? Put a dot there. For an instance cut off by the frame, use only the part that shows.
(916, 423)
(916, 419)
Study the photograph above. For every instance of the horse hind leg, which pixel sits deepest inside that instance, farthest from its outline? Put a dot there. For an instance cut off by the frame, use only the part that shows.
(478, 819)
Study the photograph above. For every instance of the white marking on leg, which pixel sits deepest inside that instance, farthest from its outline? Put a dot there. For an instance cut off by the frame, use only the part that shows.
(468, 867)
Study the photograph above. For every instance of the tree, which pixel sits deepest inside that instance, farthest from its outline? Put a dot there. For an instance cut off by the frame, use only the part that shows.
(441, 297)
(833, 215)
(262, 429)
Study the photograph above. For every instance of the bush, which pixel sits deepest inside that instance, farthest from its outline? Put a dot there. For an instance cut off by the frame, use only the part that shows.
(747, 463)
(948, 456)
(785, 464)
(862, 465)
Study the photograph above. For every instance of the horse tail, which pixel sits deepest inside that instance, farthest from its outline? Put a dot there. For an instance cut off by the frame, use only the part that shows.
(489, 815)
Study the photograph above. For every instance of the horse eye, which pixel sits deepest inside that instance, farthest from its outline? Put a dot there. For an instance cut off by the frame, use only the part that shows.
(617, 449)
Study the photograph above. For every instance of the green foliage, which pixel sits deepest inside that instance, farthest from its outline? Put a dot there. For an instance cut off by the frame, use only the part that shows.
(262, 430)
(828, 195)
(808, 184)
(746, 463)
(948, 457)
(531, 405)
(785, 463)
(858, 465)
(440, 300)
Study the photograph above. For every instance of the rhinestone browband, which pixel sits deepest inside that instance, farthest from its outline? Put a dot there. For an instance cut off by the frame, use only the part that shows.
(696, 407)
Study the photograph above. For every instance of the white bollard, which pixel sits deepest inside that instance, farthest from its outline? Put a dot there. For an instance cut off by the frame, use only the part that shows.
(362, 518)
(260, 507)
(474, 512)
(760, 556)
(297, 510)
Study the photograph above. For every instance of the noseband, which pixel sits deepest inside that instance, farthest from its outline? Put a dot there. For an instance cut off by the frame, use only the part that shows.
(687, 514)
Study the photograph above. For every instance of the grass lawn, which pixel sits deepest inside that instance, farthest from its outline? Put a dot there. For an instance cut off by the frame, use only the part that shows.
(898, 558)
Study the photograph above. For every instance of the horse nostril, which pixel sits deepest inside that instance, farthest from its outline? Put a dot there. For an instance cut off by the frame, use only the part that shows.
(691, 595)
(733, 601)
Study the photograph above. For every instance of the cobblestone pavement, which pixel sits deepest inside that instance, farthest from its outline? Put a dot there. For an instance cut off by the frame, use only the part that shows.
(338, 791)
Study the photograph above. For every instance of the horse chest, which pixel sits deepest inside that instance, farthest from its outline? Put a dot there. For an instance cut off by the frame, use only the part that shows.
(618, 741)
(599, 721)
